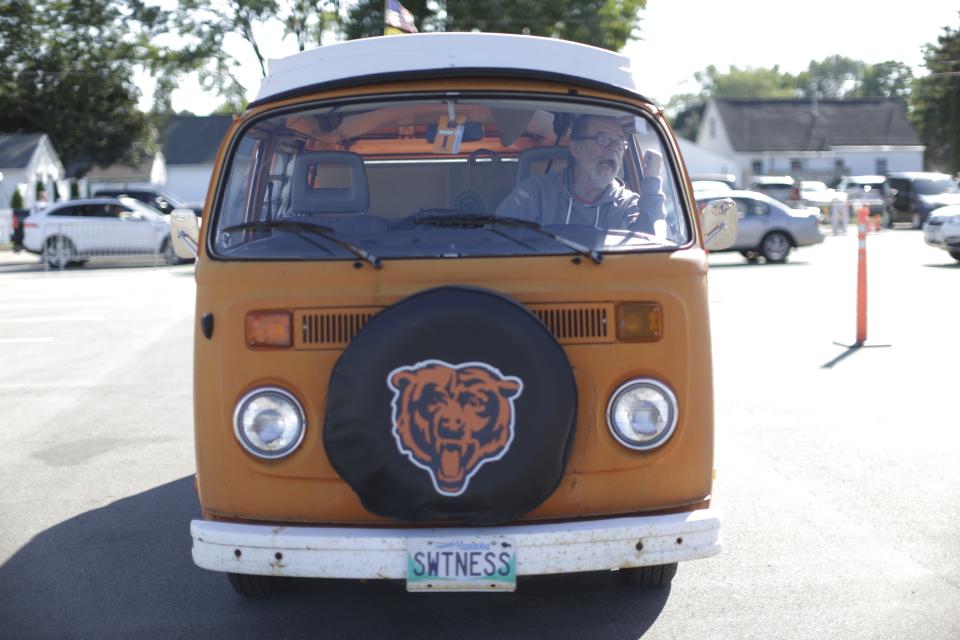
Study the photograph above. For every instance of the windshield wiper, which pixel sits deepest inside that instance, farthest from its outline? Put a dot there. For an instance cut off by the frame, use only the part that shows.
(298, 228)
(482, 219)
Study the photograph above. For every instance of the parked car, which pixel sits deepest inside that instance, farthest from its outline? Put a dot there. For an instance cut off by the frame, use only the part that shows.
(727, 178)
(782, 188)
(768, 228)
(911, 196)
(815, 194)
(866, 190)
(76, 230)
(942, 230)
(162, 201)
(710, 185)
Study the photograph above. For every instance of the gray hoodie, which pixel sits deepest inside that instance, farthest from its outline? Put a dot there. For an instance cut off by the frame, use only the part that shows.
(549, 199)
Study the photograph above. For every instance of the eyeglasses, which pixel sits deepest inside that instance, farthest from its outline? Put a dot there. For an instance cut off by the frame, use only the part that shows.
(606, 141)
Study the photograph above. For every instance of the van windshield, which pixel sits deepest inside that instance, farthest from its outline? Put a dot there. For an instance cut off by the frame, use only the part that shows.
(448, 176)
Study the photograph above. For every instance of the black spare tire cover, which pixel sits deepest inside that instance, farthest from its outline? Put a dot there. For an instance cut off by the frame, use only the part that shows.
(455, 404)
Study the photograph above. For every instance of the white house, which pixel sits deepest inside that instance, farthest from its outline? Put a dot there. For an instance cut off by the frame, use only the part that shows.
(190, 145)
(151, 172)
(702, 161)
(820, 140)
(26, 158)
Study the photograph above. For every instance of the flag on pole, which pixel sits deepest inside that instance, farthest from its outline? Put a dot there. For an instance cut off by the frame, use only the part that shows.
(397, 19)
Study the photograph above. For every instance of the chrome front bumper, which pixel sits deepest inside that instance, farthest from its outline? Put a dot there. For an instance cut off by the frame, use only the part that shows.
(368, 553)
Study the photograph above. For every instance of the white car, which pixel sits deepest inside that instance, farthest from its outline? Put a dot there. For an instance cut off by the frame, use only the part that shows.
(76, 230)
(866, 190)
(942, 230)
(709, 185)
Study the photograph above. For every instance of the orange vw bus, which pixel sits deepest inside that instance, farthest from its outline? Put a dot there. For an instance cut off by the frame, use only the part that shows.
(452, 322)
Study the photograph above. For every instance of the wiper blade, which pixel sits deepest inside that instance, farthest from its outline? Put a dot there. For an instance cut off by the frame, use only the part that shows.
(482, 219)
(299, 228)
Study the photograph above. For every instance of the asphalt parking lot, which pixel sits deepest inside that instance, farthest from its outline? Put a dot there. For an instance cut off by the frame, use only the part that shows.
(837, 470)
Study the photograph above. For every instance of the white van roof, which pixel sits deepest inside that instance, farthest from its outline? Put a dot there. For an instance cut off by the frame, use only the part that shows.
(386, 56)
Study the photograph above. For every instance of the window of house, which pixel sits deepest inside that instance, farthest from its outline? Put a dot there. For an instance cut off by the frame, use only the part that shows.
(881, 166)
(796, 166)
(758, 167)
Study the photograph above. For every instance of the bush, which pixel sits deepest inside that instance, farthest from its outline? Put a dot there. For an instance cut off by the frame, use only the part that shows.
(16, 202)
(74, 190)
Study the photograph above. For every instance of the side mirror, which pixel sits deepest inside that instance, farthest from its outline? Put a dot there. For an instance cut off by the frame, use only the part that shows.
(719, 222)
(184, 233)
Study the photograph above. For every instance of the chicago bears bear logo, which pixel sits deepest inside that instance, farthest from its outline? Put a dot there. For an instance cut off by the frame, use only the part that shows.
(451, 419)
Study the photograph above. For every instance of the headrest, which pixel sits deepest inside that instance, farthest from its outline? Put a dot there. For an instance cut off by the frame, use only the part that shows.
(329, 182)
(558, 159)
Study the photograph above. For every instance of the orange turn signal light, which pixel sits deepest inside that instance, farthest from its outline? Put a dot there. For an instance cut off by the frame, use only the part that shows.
(268, 329)
(639, 322)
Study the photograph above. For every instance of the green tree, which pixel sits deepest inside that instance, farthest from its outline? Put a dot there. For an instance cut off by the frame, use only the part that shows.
(687, 110)
(16, 200)
(936, 103)
(833, 77)
(888, 79)
(365, 18)
(603, 23)
(747, 83)
(66, 69)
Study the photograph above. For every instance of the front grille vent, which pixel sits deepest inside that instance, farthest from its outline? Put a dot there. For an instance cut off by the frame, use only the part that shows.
(330, 329)
(576, 323)
(569, 323)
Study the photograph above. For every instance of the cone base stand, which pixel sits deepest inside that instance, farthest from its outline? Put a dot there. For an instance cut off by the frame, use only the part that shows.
(851, 348)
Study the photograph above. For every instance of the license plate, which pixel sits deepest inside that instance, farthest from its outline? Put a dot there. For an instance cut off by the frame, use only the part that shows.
(462, 564)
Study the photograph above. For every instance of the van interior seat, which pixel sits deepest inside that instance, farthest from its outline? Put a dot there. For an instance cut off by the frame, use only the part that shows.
(330, 188)
(537, 161)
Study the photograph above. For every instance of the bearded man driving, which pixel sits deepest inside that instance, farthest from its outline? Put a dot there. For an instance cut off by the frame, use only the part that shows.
(589, 192)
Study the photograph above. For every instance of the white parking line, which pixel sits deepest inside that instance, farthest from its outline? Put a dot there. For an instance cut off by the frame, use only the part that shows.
(15, 340)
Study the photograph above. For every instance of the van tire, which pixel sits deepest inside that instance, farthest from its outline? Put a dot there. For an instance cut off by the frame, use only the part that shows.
(253, 586)
(653, 576)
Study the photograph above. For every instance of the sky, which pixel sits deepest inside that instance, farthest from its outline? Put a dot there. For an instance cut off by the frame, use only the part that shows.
(680, 37)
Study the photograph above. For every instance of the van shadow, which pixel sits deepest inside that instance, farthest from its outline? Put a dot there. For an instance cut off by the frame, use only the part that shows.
(125, 570)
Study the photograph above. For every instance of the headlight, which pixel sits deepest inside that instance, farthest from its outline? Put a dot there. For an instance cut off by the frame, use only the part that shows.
(642, 414)
(269, 422)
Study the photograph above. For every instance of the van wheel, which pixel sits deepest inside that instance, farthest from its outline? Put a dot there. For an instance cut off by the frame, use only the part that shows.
(58, 252)
(658, 575)
(251, 586)
(955, 255)
(775, 247)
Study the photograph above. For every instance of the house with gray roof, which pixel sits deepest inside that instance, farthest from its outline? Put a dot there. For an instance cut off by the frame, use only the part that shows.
(190, 145)
(817, 140)
(26, 158)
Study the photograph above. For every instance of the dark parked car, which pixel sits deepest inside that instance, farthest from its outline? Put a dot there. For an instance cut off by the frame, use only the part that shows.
(911, 196)
(162, 201)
